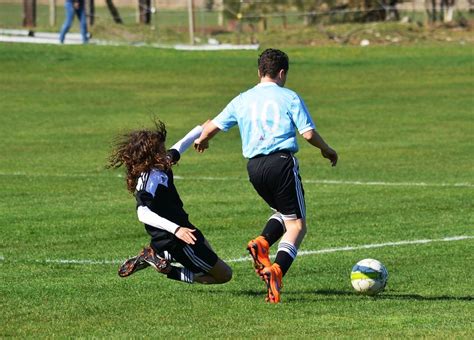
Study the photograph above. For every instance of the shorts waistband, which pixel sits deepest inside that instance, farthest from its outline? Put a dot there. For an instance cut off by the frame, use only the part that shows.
(286, 152)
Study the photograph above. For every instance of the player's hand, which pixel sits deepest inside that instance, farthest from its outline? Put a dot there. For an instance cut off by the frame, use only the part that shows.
(200, 146)
(76, 5)
(331, 155)
(186, 235)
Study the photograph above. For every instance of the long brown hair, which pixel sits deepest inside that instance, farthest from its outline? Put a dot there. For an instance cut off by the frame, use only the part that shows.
(140, 151)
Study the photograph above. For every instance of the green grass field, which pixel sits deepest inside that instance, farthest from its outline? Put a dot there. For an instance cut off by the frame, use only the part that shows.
(401, 119)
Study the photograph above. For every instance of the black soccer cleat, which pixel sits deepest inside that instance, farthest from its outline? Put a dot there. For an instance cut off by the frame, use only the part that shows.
(160, 264)
(133, 265)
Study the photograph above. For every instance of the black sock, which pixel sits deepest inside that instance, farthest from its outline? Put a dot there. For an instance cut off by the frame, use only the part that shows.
(181, 274)
(285, 256)
(284, 260)
(274, 229)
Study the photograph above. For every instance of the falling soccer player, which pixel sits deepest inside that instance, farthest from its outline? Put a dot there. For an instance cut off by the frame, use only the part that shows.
(173, 237)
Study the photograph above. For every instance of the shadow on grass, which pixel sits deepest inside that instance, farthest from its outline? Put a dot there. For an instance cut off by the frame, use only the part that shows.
(384, 296)
(309, 295)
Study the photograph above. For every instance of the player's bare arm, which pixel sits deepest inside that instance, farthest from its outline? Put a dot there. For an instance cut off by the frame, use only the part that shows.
(313, 137)
(209, 131)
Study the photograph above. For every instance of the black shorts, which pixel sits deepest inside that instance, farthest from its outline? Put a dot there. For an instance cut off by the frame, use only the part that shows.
(277, 180)
(197, 257)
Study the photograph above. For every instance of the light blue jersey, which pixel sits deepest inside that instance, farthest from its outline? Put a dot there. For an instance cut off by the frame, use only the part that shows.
(268, 116)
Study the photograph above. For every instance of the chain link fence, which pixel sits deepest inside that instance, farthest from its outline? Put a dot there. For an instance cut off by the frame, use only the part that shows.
(196, 21)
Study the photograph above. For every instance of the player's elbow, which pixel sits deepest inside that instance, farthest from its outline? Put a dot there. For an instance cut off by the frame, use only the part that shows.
(308, 135)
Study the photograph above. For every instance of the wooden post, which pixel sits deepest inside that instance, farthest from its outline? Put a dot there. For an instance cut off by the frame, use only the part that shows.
(191, 20)
(144, 10)
(52, 13)
(91, 12)
(29, 13)
(153, 11)
(220, 13)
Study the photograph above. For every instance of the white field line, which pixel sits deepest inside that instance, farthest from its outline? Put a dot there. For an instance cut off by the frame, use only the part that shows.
(401, 184)
(247, 258)
(308, 181)
(336, 182)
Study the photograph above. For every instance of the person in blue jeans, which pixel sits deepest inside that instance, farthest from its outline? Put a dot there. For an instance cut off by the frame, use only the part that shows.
(74, 7)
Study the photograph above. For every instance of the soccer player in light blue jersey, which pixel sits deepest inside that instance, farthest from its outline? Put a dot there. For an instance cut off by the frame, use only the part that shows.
(268, 116)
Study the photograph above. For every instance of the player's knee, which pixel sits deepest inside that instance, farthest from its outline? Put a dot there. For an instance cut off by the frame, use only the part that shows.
(227, 274)
(303, 229)
(296, 226)
(221, 272)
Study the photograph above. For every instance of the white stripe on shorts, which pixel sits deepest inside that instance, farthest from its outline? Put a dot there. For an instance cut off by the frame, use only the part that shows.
(299, 189)
(196, 260)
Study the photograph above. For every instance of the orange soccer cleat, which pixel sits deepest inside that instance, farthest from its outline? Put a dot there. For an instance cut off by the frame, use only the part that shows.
(259, 250)
(273, 278)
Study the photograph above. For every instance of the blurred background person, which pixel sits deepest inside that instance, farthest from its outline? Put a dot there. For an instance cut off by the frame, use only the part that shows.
(78, 8)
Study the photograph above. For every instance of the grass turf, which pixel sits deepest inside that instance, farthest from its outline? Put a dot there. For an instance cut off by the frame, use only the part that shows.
(395, 115)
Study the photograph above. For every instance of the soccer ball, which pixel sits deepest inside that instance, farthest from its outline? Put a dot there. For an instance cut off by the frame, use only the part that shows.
(369, 277)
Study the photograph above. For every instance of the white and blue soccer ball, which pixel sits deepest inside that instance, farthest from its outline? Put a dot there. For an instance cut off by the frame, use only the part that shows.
(369, 277)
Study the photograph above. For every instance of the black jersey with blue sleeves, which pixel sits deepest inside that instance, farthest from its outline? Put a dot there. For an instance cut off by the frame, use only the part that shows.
(158, 201)
(156, 190)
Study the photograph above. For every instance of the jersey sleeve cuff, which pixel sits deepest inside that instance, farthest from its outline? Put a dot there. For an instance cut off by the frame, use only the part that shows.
(306, 129)
(219, 125)
(174, 155)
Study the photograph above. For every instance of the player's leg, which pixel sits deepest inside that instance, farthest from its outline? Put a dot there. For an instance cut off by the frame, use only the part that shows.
(69, 11)
(200, 262)
(290, 201)
(259, 247)
(81, 15)
(219, 273)
(274, 229)
(279, 183)
(286, 254)
(290, 242)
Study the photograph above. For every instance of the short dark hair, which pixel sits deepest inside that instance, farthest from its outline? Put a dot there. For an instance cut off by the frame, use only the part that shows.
(271, 61)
